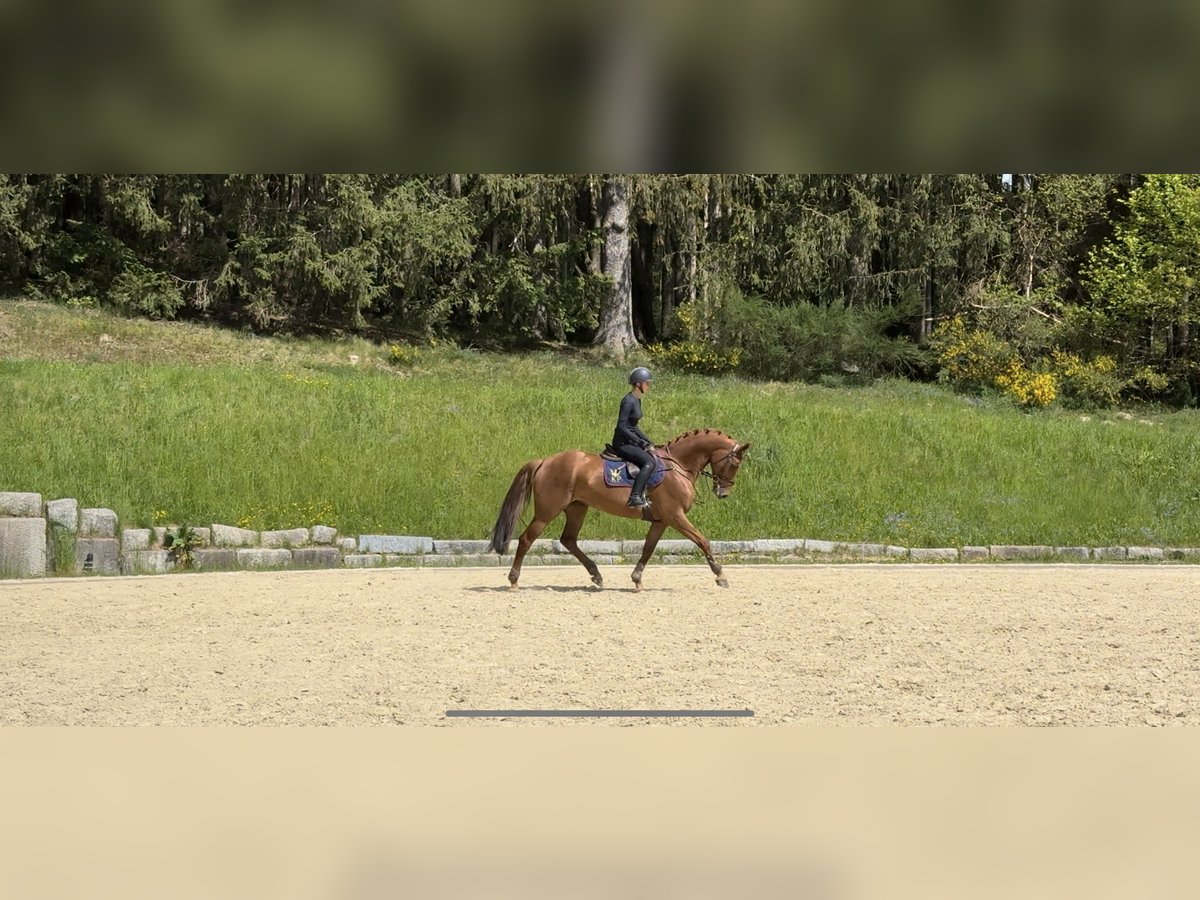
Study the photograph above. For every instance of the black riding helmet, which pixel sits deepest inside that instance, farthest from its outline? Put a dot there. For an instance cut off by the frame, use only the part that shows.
(638, 375)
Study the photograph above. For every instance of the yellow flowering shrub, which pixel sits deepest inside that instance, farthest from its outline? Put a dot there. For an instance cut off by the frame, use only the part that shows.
(969, 357)
(1031, 389)
(401, 355)
(693, 356)
(694, 322)
(979, 359)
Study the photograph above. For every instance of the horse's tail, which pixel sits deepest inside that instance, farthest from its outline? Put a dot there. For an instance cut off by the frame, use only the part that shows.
(516, 501)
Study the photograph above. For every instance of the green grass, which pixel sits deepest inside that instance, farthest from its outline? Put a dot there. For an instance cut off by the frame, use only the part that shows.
(187, 424)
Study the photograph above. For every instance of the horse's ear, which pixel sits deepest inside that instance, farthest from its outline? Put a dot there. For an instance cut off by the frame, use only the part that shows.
(741, 449)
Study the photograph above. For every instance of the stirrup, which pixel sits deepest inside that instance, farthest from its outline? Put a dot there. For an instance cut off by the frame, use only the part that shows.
(638, 501)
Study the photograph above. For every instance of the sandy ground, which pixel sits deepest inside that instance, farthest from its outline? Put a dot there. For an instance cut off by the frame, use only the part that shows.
(849, 644)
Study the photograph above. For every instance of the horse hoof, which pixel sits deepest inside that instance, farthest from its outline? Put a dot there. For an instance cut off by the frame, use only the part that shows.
(723, 582)
(513, 586)
(598, 581)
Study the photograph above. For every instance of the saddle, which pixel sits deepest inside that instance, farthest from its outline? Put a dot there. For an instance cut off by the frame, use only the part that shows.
(619, 472)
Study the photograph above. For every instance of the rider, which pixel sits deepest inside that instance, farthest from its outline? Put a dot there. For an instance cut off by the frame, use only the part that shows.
(629, 441)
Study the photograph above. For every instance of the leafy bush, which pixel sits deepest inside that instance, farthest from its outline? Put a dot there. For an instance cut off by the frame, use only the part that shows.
(1015, 318)
(181, 545)
(1087, 384)
(761, 339)
(1148, 381)
(138, 289)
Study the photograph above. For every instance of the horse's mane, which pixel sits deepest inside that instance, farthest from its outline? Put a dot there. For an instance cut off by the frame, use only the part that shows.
(695, 431)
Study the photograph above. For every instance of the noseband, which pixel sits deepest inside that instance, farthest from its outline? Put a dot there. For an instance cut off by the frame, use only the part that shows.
(719, 480)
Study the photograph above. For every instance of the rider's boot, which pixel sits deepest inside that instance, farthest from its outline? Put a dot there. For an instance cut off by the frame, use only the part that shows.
(637, 497)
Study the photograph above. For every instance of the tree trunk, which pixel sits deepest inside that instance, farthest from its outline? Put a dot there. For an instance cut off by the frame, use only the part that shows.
(925, 325)
(590, 213)
(693, 249)
(540, 321)
(615, 331)
(702, 236)
(643, 282)
(669, 280)
(1185, 353)
(1179, 339)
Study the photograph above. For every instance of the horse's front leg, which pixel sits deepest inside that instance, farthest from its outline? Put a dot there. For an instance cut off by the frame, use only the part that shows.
(692, 533)
(652, 536)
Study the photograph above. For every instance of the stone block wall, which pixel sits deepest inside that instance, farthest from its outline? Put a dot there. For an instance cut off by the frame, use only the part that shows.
(22, 535)
(57, 537)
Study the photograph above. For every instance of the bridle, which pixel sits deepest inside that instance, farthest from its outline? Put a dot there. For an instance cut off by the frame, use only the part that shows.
(720, 481)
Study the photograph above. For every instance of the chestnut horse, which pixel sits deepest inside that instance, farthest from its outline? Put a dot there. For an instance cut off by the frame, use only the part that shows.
(573, 481)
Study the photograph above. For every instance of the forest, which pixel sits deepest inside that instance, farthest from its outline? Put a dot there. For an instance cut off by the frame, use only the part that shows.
(1071, 289)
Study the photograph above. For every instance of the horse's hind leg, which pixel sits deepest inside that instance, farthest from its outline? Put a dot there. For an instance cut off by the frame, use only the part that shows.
(576, 512)
(543, 514)
(528, 536)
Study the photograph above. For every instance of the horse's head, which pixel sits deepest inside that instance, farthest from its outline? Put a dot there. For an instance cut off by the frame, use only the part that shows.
(725, 464)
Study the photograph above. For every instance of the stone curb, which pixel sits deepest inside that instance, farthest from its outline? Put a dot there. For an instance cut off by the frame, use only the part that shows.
(263, 558)
(394, 543)
(934, 553)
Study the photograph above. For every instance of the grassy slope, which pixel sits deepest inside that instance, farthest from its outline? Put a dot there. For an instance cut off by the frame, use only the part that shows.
(185, 423)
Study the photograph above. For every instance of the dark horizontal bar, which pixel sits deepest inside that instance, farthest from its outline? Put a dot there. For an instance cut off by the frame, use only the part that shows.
(604, 713)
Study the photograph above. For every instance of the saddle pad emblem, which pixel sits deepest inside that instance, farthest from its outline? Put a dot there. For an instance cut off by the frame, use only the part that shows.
(616, 474)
